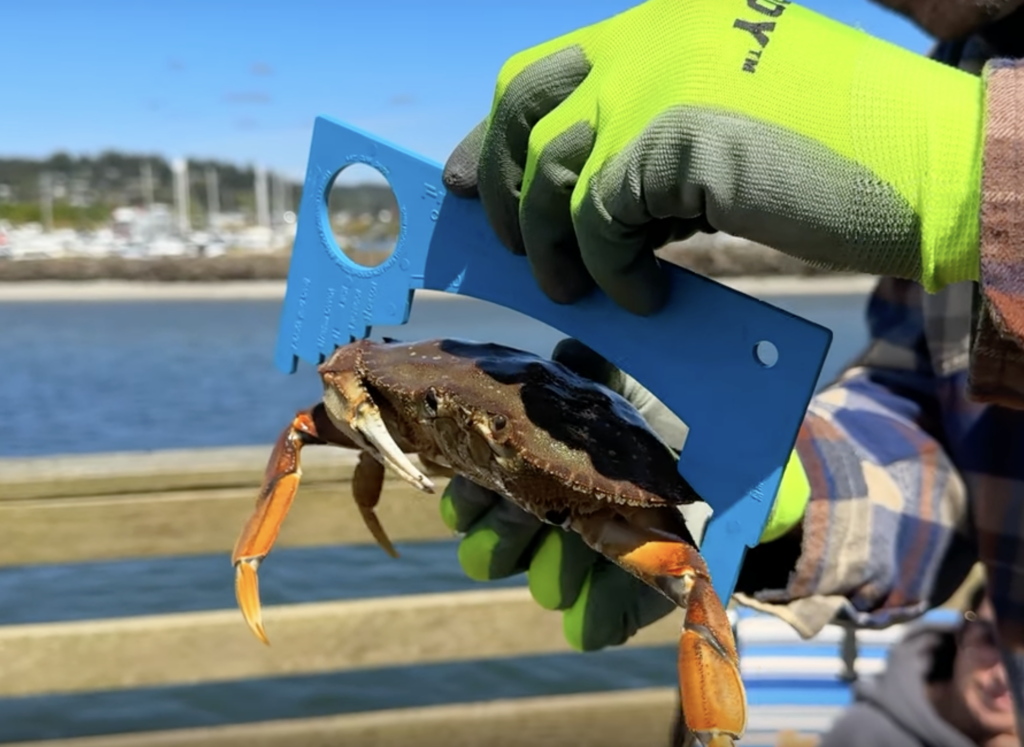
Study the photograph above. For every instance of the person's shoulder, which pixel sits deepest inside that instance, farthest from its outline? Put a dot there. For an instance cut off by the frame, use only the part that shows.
(863, 724)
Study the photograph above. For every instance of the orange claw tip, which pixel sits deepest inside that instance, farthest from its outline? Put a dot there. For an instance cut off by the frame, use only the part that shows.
(247, 592)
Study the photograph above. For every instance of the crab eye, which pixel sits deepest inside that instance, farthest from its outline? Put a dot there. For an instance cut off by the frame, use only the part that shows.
(430, 401)
(498, 423)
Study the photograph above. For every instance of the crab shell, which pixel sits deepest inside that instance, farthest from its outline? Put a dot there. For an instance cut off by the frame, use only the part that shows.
(555, 443)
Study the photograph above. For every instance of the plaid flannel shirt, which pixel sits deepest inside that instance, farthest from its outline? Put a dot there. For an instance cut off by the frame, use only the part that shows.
(915, 455)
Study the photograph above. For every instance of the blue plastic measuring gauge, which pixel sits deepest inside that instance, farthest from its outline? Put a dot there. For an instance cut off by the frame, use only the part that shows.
(749, 368)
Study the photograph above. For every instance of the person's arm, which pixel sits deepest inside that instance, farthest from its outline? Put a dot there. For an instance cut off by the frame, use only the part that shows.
(997, 355)
(884, 537)
(996, 366)
(884, 534)
(996, 372)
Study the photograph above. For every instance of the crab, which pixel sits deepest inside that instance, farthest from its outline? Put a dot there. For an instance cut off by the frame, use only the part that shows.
(566, 449)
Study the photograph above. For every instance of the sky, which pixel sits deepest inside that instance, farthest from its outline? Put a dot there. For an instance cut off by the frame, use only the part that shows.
(243, 81)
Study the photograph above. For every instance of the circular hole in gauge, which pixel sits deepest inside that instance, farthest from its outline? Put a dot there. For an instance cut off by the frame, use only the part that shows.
(766, 353)
(363, 214)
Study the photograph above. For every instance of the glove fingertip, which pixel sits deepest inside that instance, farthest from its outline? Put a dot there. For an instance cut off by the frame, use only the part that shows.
(584, 361)
(460, 175)
(476, 553)
(460, 184)
(582, 628)
(572, 631)
(449, 515)
(543, 592)
(622, 261)
(564, 287)
(464, 502)
(643, 292)
(544, 576)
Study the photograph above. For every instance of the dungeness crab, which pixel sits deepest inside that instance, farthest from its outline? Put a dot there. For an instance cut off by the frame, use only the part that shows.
(570, 451)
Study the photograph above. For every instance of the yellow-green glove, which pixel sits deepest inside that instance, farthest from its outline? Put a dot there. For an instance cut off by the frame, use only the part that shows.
(762, 119)
(602, 604)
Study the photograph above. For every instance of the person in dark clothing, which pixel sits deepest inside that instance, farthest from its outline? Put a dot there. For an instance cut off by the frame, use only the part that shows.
(941, 687)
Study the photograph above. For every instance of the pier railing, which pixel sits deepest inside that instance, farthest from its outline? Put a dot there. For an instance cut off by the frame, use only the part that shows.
(80, 509)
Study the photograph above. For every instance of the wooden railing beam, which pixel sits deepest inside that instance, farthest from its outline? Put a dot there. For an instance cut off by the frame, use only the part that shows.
(119, 473)
(616, 719)
(204, 647)
(607, 719)
(194, 522)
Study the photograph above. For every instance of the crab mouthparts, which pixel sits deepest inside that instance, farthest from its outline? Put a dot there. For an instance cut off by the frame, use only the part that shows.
(349, 401)
(367, 422)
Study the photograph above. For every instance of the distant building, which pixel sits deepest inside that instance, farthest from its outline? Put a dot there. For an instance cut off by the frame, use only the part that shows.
(139, 225)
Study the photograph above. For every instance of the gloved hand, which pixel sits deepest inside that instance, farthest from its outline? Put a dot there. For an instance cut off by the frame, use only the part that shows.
(602, 604)
(761, 119)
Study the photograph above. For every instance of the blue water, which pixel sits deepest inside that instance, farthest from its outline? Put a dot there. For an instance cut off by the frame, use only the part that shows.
(96, 377)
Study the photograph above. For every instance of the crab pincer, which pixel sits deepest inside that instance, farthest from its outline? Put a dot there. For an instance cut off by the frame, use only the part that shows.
(712, 694)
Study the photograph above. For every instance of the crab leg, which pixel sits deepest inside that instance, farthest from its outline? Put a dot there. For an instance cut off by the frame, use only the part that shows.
(280, 484)
(367, 486)
(712, 695)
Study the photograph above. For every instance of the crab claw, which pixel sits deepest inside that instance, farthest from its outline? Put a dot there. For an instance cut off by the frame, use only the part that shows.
(280, 483)
(349, 405)
(713, 698)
